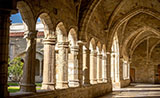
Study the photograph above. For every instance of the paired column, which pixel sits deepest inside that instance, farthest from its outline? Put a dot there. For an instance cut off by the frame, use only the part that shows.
(117, 69)
(49, 69)
(93, 67)
(104, 67)
(62, 67)
(4, 42)
(108, 67)
(86, 67)
(73, 67)
(80, 62)
(113, 67)
(99, 68)
(28, 78)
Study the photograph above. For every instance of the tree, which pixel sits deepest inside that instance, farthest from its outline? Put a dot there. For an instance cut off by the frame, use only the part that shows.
(15, 69)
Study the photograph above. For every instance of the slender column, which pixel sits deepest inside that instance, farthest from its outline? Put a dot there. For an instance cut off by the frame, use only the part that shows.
(99, 68)
(93, 67)
(80, 62)
(49, 64)
(28, 78)
(40, 72)
(117, 68)
(86, 62)
(129, 63)
(109, 67)
(62, 67)
(73, 67)
(113, 67)
(121, 70)
(4, 43)
(104, 68)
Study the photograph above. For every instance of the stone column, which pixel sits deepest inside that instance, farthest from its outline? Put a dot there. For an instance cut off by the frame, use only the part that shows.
(108, 67)
(62, 67)
(120, 70)
(41, 70)
(4, 43)
(93, 67)
(113, 67)
(28, 78)
(99, 68)
(129, 63)
(86, 66)
(104, 67)
(49, 70)
(80, 62)
(117, 69)
(73, 67)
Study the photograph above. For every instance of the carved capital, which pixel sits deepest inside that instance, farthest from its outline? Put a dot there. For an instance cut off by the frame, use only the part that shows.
(63, 44)
(74, 48)
(30, 34)
(51, 41)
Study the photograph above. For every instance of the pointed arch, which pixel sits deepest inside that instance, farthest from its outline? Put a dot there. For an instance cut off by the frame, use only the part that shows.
(61, 32)
(72, 37)
(27, 15)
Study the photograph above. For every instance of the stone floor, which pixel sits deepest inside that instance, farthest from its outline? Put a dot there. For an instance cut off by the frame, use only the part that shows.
(136, 90)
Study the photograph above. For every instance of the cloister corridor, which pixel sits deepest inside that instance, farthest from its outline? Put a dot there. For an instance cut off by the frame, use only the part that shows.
(80, 48)
(136, 90)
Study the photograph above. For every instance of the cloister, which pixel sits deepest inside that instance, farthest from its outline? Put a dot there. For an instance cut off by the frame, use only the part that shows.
(90, 47)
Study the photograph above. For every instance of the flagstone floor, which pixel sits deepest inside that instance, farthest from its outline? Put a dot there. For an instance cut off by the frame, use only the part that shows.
(136, 90)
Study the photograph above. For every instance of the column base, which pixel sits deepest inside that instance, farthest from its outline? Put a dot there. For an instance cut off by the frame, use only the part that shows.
(48, 86)
(73, 83)
(61, 85)
(27, 88)
(99, 80)
(116, 85)
(86, 84)
(93, 81)
(105, 80)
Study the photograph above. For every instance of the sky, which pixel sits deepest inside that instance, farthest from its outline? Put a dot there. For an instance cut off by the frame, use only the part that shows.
(16, 18)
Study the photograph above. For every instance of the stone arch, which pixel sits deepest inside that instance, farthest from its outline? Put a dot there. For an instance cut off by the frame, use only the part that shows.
(99, 47)
(27, 15)
(39, 55)
(150, 53)
(126, 18)
(72, 37)
(48, 24)
(87, 16)
(137, 34)
(103, 48)
(92, 45)
(61, 32)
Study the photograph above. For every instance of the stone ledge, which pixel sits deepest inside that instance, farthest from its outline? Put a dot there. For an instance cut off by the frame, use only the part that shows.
(77, 92)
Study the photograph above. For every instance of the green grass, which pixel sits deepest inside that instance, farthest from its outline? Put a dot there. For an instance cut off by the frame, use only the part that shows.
(39, 84)
(16, 89)
(13, 89)
(13, 84)
(16, 84)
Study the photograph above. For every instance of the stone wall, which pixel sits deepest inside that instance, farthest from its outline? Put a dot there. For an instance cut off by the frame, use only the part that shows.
(79, 92)
(145, 65)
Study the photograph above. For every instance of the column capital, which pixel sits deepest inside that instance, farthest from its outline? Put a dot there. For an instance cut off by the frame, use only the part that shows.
(63, 44)
(74, 48)
(30, 34)
(51, 41)
(85, 51)
(99, 54)
(81, 42)
(93, 52)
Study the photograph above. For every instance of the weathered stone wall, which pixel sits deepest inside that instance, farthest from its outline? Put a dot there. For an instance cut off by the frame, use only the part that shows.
(145, 68)
(83, 92)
